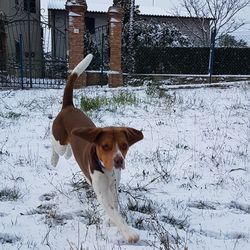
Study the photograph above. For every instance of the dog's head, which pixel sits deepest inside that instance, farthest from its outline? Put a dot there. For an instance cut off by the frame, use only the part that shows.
(112, 143)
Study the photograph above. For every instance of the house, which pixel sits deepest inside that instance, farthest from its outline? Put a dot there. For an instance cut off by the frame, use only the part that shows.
(96, 23)
(197, 30)
(16, 9)
(20, 20)
(96, 17)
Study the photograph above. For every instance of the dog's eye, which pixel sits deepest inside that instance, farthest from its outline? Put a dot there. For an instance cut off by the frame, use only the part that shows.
(105, 147)
(124, 146)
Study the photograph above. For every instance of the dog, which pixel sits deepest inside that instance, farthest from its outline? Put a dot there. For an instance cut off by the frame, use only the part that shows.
(100, 152)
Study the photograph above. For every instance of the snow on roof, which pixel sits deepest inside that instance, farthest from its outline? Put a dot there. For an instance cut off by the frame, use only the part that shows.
(93, 6)
(103, 5)
(56, 4)
(145, 6)
(152, 11)
(99, 6)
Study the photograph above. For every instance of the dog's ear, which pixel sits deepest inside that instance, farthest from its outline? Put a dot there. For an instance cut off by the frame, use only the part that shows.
(133, 135)
(88, 134)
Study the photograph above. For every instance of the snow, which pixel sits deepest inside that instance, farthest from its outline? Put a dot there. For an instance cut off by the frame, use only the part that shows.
(190, 176)
(99, 5)
(95, 6)
(152, 10)
(73, 14)
(114, 20)
(56, 4)
(103, 6)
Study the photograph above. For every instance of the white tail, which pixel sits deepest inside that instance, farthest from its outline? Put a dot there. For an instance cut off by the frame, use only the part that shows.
(81, 66)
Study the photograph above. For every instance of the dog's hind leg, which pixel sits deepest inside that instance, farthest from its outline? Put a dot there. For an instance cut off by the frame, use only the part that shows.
(57, 149)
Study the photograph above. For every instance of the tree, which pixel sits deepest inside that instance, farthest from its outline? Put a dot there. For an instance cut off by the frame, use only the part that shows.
(130, 13)
(130, 43)
(230, 41)
(223, 14)
(128, 6)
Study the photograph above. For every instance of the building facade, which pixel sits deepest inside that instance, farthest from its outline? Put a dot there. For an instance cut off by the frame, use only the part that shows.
(20, 20)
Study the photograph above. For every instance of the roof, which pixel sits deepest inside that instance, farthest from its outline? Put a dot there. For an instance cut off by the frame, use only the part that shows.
(102, 6)
(93, 6)
(56, 5)
(152, 11)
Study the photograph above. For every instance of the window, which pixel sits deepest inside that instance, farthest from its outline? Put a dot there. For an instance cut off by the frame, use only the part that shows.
(90, 24)
(29, 5)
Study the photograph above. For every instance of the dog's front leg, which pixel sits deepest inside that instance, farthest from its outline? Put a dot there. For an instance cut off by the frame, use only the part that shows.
(114, 182)
(105, 196)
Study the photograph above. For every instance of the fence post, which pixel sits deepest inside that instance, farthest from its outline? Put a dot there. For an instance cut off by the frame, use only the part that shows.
(102, 58)
(76, 12)
(21, 58)
(211, 55)
(115, 15)
(29, 44)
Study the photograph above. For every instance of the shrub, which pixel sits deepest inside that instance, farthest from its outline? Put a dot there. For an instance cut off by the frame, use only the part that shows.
(8, 194)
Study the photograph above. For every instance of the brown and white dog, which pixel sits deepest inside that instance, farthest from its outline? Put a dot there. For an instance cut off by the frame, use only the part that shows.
(100, 152)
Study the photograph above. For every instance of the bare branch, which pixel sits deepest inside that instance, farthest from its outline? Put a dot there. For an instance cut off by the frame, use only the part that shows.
(223, 14)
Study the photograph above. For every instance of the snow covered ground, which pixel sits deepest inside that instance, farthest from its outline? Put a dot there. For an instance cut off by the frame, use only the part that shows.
(187, 184)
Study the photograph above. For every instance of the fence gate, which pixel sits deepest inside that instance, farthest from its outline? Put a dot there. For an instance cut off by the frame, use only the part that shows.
(96, 42)
(32, 54)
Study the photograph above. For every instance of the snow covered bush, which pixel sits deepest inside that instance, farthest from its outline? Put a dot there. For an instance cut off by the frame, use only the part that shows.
(150, 34)
(155, 34)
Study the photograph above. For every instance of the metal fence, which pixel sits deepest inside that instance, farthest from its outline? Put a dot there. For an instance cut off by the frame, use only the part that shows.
(177, 60)
(33, 54)
(231, 57)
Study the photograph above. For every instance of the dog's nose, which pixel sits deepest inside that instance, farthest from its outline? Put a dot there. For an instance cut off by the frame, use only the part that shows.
(118, 161)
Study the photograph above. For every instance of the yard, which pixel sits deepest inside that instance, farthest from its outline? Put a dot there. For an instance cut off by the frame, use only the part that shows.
(185, 186)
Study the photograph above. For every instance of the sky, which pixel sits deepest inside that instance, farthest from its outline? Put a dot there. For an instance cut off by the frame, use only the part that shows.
(171, 5)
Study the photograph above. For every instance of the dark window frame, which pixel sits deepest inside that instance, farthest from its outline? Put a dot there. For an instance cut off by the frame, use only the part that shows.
(90, 24)
(32, 6)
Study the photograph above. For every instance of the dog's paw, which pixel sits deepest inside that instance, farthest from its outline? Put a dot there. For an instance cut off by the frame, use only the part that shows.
(131, 237)
(54, 159)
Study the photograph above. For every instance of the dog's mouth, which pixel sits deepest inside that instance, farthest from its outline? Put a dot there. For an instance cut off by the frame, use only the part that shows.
(115, 165)
(120, 167)
(110, 168)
